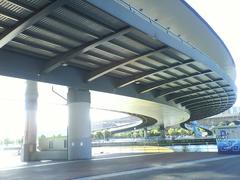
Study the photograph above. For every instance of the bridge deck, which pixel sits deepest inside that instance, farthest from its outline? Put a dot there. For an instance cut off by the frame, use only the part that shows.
(91, 44)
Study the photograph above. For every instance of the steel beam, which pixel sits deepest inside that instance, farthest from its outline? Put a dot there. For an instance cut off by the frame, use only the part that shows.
(93, 20)
(184, 94)
(212, 109)
(172, 90)
(220, 98)
(67, 56)
(195, 103)
(200, 105)
(207, 112)
(108, 68)
(190, 98)
(142, 75)
(211, 104)
(204, 113)
(161, 83)
(9, 16)
(215, 92)
(22, 6)
(209, 107)
(12, 32)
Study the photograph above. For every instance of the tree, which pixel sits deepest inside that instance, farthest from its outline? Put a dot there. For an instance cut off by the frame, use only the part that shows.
(221, 124)
(98, 135)
(231, 124)
(189, 132)
(106, 134)
(154, 132)
(171, 132)
(59, 136)
(178, 131)
(200, 130)
(181, 131)
(19, 141)
(42, 138)
(140, 133)
(7, 141)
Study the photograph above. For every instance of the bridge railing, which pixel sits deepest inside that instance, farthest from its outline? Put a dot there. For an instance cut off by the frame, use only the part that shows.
(156, 23)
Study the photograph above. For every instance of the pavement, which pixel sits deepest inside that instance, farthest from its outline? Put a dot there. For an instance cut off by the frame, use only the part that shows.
(181, 165)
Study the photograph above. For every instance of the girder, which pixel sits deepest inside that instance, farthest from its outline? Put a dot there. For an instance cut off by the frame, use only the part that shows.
(184, 94)
(206, 101)
(159, 84)
(12, 32)
(196, 97)
(142, 75)
(67, 56)
(108, 68)
(172, 90)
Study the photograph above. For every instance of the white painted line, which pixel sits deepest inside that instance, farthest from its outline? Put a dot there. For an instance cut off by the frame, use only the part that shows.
(143, 170)
(135, 155)
(69, 162)
(33, 166)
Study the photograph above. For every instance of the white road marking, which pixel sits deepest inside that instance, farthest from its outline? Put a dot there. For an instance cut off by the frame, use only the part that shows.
(174, 165)
(68, 162)
(135, 155)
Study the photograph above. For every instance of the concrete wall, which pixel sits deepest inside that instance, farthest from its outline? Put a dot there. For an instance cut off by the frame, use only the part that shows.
(56, 144)
(50, 155)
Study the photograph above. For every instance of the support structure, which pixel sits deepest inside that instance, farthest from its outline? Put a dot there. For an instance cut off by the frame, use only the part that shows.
(30, 134)
(162, 130)
(145, 132)
(79, 126)
(12, 32)
(67, 56)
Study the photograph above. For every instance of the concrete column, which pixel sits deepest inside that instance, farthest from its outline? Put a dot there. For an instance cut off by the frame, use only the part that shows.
(79, 124)
(162, 130)
(145, 132)
(30, 134)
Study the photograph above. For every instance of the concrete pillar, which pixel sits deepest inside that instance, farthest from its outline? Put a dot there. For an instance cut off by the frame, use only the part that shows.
(145, 132)
(79, 124)
(162, 130)
(30, 134)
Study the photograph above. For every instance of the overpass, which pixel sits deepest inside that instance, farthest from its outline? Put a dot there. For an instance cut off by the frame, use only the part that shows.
(195, 127)
(160, 57)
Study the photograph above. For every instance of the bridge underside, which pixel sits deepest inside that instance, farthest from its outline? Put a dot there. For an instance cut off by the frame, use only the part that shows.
(76, 43)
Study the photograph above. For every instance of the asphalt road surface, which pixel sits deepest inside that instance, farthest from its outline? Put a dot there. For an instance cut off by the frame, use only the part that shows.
(138, 166)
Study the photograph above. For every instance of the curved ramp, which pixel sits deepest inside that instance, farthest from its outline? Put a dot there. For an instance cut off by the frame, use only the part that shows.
(195, 127)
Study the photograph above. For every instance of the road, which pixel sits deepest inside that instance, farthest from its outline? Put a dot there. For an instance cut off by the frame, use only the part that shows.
(138, 166)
